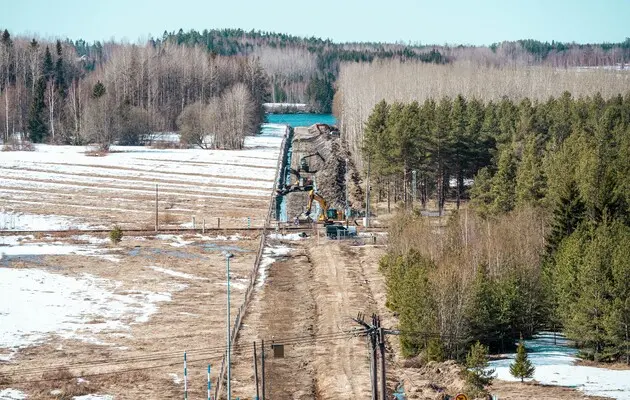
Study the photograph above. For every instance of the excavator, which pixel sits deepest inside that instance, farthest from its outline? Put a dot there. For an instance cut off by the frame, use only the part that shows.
(301, 184)
(328, 215)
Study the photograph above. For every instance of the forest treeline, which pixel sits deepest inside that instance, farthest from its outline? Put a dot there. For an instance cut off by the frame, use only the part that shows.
(52, 94)
(362, 85)
(545, 241)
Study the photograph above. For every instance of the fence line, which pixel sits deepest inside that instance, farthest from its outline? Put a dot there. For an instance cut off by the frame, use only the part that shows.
(254, 273)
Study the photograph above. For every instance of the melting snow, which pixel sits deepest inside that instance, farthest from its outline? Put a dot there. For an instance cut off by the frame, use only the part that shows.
(270, 255)
(13, 221)
(177, 273)
(12, 394)
(555, 366)
(94, 397)
(35, 304)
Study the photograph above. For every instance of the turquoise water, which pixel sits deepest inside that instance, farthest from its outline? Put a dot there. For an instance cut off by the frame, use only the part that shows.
(301, 119)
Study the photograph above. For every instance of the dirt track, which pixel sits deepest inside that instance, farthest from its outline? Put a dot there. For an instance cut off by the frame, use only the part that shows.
(315, 291)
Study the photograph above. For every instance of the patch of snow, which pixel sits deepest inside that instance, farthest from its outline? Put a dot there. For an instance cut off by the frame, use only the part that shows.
(94, 397)
(12, 394)
(176, 273)
(179, 241)
(91, 239)
(288, 236)
(16, 221)
(13, 240)
(35, 304)
(555, 365)
(176, 379)
(270, 255)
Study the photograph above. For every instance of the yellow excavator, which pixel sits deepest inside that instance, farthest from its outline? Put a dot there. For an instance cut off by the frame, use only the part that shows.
(328, 215)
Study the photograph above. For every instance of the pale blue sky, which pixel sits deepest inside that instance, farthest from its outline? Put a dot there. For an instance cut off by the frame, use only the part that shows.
(429, 22)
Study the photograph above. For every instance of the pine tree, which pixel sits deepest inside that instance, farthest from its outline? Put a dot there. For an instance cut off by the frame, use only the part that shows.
(60, 82)
(503, 182)
(375, 132)
(521, 367)
(37, 128)
(459, 154)
(568, 213)
(477, 373)
(530, 182)
(48, 67)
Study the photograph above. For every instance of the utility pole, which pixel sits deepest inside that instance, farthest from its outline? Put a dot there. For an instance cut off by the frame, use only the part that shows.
(367, 196)
(374, 360)
(376, 336)
(256, 371)
(228, 338)
(381, 345)
(262, 364)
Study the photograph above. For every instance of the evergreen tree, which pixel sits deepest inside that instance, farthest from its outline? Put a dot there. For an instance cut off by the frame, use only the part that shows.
(441, 147)
(530, 182)
(522, 367)
(99, 90)
(37, 128)
(478, 376)
(459, 152)
(48, 68)
(503, 182)
(568, 214)
(481, 194)
(60, 82)
(375, 134)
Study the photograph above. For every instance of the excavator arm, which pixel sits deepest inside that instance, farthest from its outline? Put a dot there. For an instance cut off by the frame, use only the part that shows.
(314, 196)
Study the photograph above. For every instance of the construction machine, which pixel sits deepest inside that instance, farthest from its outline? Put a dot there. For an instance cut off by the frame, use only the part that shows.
(301, 184)
(304, 166)
(328, 215)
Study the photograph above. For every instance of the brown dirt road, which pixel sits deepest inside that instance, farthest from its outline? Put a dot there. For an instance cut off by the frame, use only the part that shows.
(311, 296)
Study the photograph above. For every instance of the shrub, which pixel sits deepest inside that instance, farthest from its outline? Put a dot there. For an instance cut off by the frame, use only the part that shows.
(116, 234)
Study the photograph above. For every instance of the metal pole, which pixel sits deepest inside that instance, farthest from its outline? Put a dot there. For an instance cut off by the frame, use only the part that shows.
(256, 371)
(262, 364)
(185, 378)
(156, 207)
(229, 372)
(209, 384)
(347, 211)
(367, 196)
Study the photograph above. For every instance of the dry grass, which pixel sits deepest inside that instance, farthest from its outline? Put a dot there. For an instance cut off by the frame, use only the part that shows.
(193, 319)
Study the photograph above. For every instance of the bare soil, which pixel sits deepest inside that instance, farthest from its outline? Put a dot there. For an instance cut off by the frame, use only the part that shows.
(194, 321)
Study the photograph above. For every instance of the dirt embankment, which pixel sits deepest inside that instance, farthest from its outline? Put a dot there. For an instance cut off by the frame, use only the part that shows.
(325, 158)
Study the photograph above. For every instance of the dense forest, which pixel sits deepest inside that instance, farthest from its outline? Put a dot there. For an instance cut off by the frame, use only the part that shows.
(53, 94)
(544, 243)
(51, 89)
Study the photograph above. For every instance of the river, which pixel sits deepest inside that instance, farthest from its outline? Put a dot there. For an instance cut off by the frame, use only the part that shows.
(555, 365)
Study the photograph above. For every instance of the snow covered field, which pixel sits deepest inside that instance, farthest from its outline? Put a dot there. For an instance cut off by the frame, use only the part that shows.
(555, 366)
(62, 187)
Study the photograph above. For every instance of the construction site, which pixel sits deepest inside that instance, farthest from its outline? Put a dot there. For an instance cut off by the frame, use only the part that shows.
(302, 315)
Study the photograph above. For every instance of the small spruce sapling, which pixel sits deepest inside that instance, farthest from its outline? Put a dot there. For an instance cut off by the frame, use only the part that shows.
(522, 367)
(115, 235)
(478, 375)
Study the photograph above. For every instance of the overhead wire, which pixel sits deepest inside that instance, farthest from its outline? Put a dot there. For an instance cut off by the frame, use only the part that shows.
(211, 352)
